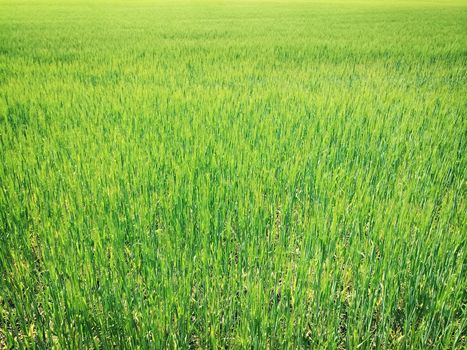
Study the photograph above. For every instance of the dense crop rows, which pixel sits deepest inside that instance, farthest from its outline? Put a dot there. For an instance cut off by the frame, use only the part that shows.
(233, 174)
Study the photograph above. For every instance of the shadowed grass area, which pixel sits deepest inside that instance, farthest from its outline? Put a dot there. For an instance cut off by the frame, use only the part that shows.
(233, 174)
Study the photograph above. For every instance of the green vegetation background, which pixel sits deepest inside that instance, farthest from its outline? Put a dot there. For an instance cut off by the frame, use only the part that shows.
(233, 174)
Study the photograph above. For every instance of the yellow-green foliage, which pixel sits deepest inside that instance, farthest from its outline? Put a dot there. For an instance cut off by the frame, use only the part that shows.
(233, 174)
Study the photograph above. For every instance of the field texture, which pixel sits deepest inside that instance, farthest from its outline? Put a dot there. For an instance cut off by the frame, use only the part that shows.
(233, 174)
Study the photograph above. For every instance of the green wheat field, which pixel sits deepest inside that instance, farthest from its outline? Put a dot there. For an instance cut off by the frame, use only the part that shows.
(233, 174)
